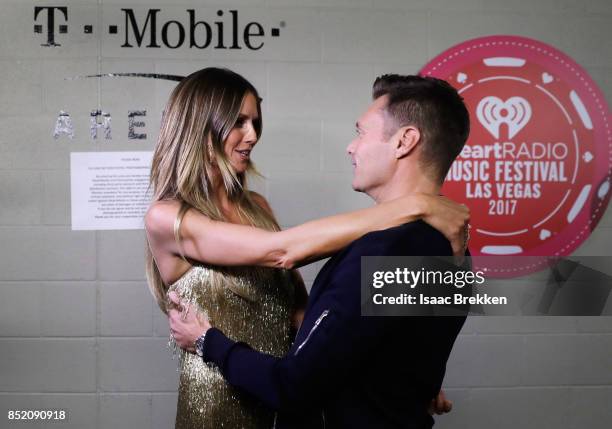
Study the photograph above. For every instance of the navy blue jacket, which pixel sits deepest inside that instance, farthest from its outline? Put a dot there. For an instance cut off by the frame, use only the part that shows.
(345, 370)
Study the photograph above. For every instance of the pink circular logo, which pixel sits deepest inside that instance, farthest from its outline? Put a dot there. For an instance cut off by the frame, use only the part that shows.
(536, 168)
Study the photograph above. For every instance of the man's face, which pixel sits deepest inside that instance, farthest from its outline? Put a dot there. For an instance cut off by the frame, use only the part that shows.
(371, 154)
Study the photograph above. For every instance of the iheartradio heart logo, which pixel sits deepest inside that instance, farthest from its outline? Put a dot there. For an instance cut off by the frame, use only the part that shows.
(492, 112)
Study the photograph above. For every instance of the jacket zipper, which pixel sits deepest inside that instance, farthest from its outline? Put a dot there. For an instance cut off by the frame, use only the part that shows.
(316, 324)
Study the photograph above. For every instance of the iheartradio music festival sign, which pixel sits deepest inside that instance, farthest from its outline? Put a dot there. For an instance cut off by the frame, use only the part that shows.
(536, 168)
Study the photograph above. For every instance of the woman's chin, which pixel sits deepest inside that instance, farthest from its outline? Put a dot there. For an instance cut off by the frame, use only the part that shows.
(240, 167)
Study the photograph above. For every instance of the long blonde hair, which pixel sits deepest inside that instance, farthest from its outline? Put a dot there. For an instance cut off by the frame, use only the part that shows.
(189, 155)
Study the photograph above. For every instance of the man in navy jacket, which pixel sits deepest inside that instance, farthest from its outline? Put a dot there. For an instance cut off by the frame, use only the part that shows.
(345, 370)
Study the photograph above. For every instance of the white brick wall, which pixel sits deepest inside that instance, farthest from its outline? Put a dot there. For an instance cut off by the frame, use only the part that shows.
(78, 328)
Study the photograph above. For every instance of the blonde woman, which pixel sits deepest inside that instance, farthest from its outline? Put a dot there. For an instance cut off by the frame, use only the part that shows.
(219, 246)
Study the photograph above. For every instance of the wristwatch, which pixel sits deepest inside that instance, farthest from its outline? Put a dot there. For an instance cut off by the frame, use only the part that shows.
(199, 344)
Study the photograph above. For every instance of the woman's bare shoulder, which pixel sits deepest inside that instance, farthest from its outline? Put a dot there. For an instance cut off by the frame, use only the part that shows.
(160, 216)
(159, 224)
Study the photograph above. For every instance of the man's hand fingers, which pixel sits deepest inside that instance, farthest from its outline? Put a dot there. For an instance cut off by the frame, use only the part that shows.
(174, 298)
(448, 406)
(432, 407)
(440, 405)
(444, 406)
(174, 318)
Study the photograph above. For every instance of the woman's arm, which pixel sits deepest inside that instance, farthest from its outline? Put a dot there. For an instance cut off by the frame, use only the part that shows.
(222, 243)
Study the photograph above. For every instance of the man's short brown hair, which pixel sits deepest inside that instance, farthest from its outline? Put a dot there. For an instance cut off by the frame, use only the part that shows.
(435, 108)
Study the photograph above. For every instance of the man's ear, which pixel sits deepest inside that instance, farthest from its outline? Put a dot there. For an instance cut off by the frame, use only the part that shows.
(407, 139)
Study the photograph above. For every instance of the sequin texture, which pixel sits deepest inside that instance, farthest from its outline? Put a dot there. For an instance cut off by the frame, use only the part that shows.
(248, 304)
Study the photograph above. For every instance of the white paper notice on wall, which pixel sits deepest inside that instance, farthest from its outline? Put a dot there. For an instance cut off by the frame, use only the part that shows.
(109, 190)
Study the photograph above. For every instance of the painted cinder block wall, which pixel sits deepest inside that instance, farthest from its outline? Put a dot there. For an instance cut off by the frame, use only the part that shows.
(78, 328)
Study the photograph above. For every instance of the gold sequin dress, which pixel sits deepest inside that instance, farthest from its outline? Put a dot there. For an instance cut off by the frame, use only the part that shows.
(248, 304)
